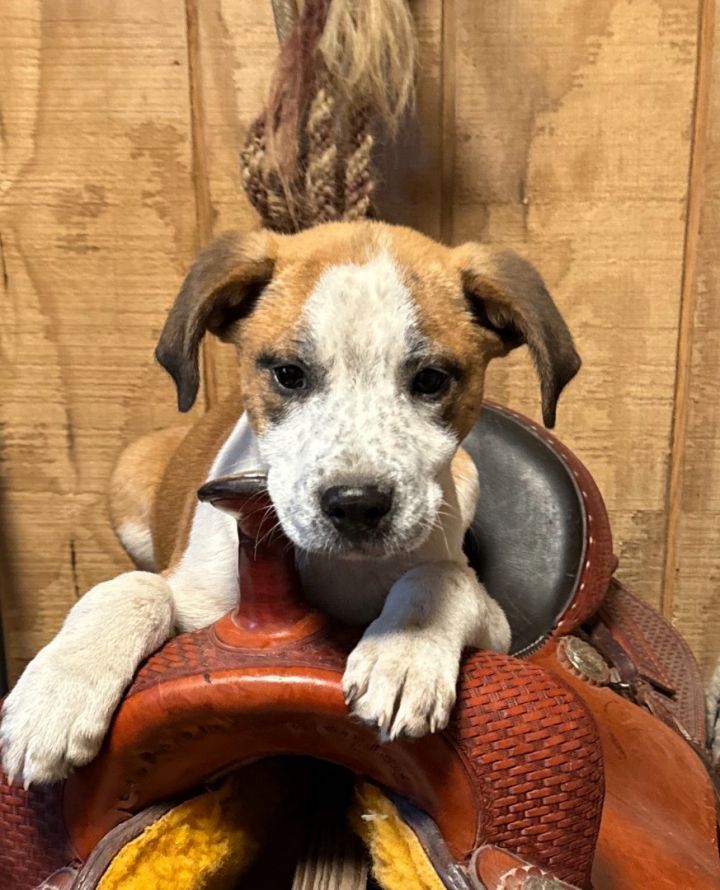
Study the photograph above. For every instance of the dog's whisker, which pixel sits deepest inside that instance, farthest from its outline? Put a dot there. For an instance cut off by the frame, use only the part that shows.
(435, 523)
(264, 537)
(261, 540)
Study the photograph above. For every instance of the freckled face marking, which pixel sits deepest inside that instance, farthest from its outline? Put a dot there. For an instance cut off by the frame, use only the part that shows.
(364, 309)
(359, 421)
(362, 316)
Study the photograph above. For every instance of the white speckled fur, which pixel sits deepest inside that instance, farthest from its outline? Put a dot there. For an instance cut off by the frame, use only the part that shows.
(422, 603)
(362, 425)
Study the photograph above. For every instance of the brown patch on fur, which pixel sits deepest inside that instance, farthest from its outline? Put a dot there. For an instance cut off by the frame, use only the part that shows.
(186, 470)
(511, 298)
(274, 326)
(511, 307)
(220, 287)
(137, 476)
(463, 466)
(219, 294)
(433, 278)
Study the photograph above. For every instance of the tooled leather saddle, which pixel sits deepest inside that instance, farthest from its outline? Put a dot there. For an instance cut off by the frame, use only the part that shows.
(575, 761)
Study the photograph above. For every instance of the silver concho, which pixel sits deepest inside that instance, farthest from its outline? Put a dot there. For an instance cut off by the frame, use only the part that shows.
(584, 660)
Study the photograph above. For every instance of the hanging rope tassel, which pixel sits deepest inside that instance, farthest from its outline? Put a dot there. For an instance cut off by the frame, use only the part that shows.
(359, 183)
(345, 67)
(321, 193)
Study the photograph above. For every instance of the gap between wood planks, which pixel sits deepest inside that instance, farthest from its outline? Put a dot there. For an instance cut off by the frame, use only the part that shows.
(688, 300)
(200, 178)
(447, 120)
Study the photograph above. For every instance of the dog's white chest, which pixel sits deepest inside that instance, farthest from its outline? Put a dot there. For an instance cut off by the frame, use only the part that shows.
(352, 591)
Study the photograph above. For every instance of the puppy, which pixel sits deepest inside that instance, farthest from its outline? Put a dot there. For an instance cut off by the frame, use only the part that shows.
(362, 349)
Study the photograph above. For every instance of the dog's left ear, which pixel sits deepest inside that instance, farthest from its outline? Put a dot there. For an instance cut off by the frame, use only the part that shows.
(221, 288)
(509, 298)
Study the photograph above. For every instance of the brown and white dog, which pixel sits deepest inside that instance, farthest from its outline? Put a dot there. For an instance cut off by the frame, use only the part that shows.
(362, 350)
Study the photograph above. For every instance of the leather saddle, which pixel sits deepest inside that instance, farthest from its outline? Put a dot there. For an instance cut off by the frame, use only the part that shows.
(576, 761)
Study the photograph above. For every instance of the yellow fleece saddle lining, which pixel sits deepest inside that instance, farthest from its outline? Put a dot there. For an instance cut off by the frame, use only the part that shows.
(211, 840)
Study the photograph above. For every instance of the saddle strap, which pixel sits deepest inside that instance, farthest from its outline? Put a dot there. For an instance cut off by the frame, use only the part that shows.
(652, 688)
(653, 662)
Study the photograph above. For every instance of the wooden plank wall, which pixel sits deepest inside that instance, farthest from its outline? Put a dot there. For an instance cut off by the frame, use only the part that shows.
(584, 133)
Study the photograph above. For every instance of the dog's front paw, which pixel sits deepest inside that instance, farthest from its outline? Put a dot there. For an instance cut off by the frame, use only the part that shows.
(56, 717)
(403, 683)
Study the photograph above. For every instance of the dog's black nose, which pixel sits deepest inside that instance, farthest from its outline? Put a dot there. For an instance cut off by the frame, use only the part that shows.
(354, 509)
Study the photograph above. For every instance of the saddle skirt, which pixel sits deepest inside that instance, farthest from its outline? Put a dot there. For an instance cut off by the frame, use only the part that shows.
(576, 761)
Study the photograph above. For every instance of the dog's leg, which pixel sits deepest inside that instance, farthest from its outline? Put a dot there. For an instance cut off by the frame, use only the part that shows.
(133, 487)
(401, 677)
(58, 713)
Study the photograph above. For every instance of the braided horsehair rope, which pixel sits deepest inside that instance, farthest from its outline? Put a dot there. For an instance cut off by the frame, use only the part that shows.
(307, 158)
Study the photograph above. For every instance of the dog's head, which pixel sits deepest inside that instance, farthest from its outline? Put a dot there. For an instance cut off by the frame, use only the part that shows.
(362, 351)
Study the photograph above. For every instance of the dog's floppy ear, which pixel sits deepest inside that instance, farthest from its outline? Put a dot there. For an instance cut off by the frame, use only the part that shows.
(508, 297)
(220, 288)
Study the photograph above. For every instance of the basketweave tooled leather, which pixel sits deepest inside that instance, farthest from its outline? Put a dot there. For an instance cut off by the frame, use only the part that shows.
(33, 838)
(196, 737)
(522, 743)
(655, 782)
(661, 657)
(520, 767)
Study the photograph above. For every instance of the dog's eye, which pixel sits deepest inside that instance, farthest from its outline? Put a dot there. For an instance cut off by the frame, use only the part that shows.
(289, 376)
(430, 382)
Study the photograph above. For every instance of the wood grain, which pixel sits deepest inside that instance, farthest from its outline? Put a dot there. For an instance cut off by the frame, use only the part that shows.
(563, 129)
(200, 176)
(688, 298)
(694, 564)
(572, 145)
(410, 169)
(97, 228)
(234, 50)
